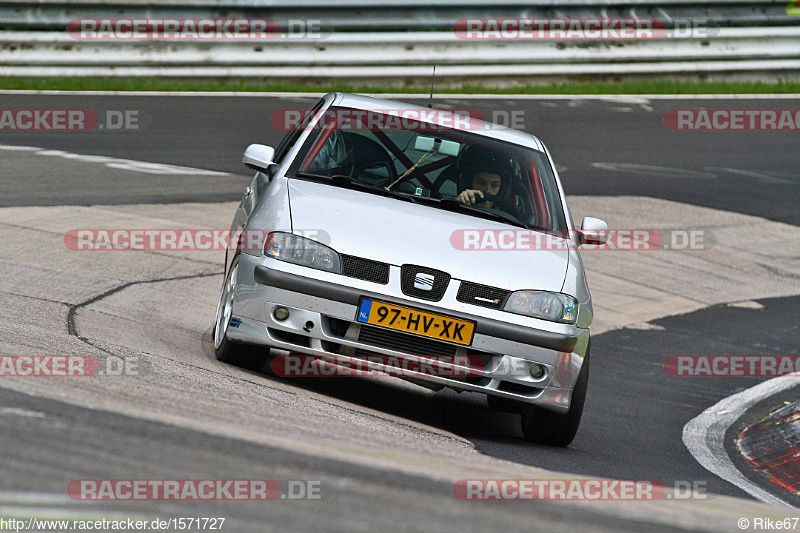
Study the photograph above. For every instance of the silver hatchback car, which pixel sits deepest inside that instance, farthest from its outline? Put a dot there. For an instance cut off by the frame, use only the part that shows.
(391, 232)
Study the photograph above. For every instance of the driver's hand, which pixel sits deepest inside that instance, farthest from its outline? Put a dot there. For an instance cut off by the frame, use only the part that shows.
(470, 196)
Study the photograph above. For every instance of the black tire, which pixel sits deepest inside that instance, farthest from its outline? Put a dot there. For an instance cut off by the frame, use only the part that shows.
(554, 429)
(225, 350)
(241, 355)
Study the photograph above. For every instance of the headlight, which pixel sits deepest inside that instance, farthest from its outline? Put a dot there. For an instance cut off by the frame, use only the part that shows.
(547, 305)
(301, 251)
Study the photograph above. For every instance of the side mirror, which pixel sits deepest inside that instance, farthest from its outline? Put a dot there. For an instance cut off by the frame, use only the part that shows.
(258, 157)
(593, 231)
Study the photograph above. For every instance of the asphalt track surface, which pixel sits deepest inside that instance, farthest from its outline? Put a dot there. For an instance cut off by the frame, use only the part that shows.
(635, 411)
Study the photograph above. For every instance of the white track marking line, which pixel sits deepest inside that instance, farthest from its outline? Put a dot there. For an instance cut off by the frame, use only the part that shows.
(132, 165)
(704, 435)
(14, 148)
(57, 513)
(766, 178)
(36, 498)
(14, 411)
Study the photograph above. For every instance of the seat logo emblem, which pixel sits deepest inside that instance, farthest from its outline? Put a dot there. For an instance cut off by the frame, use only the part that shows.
(423, 282)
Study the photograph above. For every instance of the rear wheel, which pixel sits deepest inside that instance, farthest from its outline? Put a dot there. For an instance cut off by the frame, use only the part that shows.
(225, 350)
(554, 429)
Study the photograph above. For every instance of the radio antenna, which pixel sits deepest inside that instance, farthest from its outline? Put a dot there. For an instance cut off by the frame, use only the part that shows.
(430, 102)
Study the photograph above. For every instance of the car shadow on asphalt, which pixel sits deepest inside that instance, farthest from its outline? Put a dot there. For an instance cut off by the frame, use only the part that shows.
(464, 414)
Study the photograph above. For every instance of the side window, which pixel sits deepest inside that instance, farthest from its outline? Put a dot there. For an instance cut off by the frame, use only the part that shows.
(290, 139)
(333, 157)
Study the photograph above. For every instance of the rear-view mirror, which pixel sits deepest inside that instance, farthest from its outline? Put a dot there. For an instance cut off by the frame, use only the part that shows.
(426, 144)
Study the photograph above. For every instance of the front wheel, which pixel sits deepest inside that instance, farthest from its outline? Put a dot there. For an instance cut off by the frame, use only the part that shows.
(554, 429)
(225, 350)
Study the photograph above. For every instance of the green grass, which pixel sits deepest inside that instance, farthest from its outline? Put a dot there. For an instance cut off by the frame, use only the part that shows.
(582, 87)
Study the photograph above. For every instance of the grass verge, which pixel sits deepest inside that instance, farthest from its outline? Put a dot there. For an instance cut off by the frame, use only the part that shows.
(622, 87)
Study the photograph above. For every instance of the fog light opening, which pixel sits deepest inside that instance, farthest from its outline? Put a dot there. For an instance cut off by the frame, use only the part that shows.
(280, 313)
(537, 371)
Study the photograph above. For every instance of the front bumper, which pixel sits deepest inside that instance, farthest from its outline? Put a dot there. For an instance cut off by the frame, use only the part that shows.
(322, 322)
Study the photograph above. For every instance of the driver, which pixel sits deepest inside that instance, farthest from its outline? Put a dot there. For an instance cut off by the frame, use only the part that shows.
(482, 173)
(482, 182)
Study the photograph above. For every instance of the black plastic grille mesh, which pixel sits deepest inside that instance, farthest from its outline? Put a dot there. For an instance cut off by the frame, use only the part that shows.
(403, 342)
(366, 269)
(414, 344)
(408, 274)
(483, 295)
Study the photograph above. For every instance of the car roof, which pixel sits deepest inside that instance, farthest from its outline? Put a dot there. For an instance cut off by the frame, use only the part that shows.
(485, 128)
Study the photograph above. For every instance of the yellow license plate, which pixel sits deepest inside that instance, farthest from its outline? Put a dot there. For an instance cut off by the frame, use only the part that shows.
(414, 321)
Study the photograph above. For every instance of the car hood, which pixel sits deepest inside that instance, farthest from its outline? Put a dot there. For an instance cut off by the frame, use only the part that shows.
(398, 232)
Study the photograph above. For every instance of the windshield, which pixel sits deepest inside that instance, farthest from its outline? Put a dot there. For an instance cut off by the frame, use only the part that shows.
(438, 166)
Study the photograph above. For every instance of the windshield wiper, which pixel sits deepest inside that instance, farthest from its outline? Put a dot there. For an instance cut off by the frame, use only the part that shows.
(340, 179)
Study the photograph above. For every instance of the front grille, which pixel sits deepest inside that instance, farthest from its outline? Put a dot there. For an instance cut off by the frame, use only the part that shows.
(437, 288)
(483, 295)
(403, 342)
(366, 269)
(415, 345)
